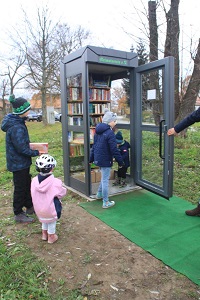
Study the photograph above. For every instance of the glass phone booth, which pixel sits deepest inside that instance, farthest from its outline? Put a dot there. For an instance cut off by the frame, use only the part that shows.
(88, 79)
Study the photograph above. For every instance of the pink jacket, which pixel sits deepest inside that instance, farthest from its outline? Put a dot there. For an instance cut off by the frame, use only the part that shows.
(43, 197)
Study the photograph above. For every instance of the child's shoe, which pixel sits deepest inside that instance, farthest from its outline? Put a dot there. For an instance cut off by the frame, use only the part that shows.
(117, 181)
(52, 238)
(123, 183)
(108, 204)
(44, 235)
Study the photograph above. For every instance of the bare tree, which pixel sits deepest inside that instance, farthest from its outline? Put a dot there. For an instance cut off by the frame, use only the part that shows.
(172, 47)
(192, 91)
(4, 92)
(13, 69)
(66, 41)
(44, 43)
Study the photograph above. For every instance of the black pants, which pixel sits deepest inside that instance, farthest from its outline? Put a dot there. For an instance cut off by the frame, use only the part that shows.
(122, 172)
(22, 190)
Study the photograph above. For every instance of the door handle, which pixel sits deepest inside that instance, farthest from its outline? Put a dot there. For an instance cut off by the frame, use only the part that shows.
(160, 140)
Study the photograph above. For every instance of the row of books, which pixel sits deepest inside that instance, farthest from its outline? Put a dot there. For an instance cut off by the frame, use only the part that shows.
(78, 121)
(75, 108)
(95, 120)
(76, 150)
(99, 94)
(98, 108)
(74, 93)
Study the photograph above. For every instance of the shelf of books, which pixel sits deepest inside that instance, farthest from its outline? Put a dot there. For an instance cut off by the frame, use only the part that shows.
(99, 98)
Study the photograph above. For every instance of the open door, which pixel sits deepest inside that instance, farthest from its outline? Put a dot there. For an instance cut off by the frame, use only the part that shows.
(153, 115)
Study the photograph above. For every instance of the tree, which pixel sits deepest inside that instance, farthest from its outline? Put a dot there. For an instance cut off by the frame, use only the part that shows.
(4, 92)
(13, 71)
(43, 43)
(142, 59)
(172, 47)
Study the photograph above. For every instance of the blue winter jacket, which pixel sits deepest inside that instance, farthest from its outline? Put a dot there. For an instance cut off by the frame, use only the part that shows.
(124, 151)
(18, 152)
(189, 120)
(105, 147)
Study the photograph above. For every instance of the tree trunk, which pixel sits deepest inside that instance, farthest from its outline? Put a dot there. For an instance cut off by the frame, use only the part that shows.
(172, 47)
(153, 29)
(189, 99)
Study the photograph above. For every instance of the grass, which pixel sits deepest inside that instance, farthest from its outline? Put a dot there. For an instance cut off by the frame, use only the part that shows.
(22, 275)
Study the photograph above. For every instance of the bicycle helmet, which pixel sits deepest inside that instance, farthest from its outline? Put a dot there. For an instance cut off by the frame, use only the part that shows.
(45, 163)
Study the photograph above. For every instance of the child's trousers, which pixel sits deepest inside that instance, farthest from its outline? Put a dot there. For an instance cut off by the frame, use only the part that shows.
(50, 227)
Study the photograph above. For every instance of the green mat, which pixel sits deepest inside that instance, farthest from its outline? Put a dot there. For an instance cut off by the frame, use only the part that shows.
(159, 226)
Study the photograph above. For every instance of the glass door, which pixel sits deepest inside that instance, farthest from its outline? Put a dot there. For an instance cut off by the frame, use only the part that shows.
(153, 115)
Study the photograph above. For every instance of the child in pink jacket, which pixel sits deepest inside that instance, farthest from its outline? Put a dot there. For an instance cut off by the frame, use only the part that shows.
(46, 192)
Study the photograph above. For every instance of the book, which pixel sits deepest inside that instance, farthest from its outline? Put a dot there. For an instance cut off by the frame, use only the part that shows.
(42, 147)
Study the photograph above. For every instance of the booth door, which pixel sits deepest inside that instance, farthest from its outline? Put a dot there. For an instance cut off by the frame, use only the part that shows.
(153, 115)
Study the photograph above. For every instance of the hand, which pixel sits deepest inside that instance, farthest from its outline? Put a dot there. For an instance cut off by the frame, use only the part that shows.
(42, 152)
(171, 131)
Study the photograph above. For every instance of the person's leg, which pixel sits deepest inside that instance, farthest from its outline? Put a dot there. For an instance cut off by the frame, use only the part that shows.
(44, 231)
(99, 191)
(22, 194)
(28, 199)
(123, 171)
(19, 196)
(105, 175)
(117, 178)
(52, 236)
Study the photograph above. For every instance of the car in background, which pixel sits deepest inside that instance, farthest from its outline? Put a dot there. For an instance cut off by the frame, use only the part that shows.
(57, 115)
(32, 116)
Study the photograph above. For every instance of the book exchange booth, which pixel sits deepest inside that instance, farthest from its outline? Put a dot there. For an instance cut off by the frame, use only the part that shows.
(88, 78)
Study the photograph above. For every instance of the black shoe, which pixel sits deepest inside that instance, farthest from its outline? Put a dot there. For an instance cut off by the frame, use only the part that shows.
(23, 218)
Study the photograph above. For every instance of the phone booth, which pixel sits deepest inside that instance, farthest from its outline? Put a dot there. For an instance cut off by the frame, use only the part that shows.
(88, 79)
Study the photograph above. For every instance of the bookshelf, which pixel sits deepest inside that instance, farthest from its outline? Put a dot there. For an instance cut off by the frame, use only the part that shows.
(99, 92)
(86, 79)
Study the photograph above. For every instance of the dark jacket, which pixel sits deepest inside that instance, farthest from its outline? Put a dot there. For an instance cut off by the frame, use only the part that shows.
(124, 151)
(105, 147)
(189, 120)
(18, 152)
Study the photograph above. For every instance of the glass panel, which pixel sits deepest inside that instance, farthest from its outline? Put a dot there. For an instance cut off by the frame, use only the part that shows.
(152, 164)
(120, 96)
(76, 152)
(74, 100)
(152, 97)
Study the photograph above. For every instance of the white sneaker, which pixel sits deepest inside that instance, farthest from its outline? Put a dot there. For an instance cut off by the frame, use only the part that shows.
(108, 204)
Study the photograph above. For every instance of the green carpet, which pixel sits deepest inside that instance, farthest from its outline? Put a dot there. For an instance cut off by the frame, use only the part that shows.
(157, 225)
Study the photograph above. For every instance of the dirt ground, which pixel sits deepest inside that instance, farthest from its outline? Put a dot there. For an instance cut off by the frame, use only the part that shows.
(100, 262)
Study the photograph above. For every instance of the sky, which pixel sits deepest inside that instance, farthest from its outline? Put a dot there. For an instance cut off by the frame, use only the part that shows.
(107, 20)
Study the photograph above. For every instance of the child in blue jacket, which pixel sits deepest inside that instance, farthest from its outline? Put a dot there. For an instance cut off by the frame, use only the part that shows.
(123, 147)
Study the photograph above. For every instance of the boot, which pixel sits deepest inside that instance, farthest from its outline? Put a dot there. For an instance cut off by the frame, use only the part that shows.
(123, 183)
(52, 238)
(44, 235)
(117, 181)
(23, 218)
(193, 212)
